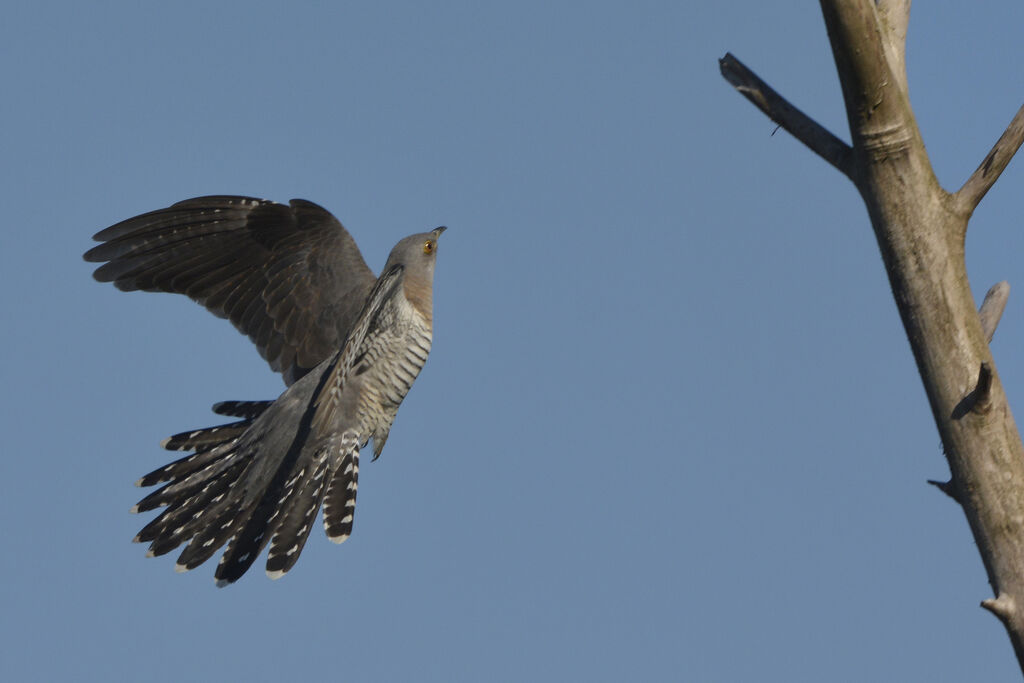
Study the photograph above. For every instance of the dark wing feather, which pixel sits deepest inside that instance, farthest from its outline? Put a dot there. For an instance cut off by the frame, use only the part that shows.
(290, 277)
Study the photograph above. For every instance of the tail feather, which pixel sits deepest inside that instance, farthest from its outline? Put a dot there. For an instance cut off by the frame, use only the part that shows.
(197, 489)
(180, 467)
(249, 410)
(172, 537)
(340, 501)
(265, 515)
(205, 438)
(164, 545)
(218, 528)
(248, 486)
(300, 504)
(184, 516)
(190, 482)
(247, 543)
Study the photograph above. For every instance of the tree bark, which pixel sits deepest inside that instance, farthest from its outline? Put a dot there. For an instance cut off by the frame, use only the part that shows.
(920, 229)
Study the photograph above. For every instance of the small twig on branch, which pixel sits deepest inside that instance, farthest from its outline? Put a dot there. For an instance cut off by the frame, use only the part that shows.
(1002, 606)
(992, 308)
(979, 399)
(983, 392)
(947, 487)
(968, 196)
(802, 127)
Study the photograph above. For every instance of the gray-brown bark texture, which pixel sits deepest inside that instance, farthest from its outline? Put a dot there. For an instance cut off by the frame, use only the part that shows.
(920, 230)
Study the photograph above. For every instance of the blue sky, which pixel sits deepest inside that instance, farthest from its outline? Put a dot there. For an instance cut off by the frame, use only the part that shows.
(671, 427)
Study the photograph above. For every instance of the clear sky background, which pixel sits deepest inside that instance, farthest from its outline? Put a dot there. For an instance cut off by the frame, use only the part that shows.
(671, 429)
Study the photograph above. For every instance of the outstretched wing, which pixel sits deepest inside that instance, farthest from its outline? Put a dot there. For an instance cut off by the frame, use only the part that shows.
(290, 277)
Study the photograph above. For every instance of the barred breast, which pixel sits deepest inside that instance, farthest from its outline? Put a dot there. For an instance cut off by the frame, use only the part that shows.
(393, 357)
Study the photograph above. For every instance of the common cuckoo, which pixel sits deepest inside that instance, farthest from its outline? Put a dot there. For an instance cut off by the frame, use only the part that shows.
(349, 346)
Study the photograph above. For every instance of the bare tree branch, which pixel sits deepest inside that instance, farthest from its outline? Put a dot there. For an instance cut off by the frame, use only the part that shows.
(778, 109)
(992, 307)
(920, 230)
(969, 196)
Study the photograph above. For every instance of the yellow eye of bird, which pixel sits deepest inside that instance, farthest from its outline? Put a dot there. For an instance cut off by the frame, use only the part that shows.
(428, 247)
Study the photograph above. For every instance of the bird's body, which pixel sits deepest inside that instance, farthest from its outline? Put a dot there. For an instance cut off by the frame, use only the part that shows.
(348, 345)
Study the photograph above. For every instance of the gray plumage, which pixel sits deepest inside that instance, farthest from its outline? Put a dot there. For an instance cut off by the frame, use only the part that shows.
(348, 345)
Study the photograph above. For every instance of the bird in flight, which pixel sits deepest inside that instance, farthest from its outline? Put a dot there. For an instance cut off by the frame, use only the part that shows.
(348, 344)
